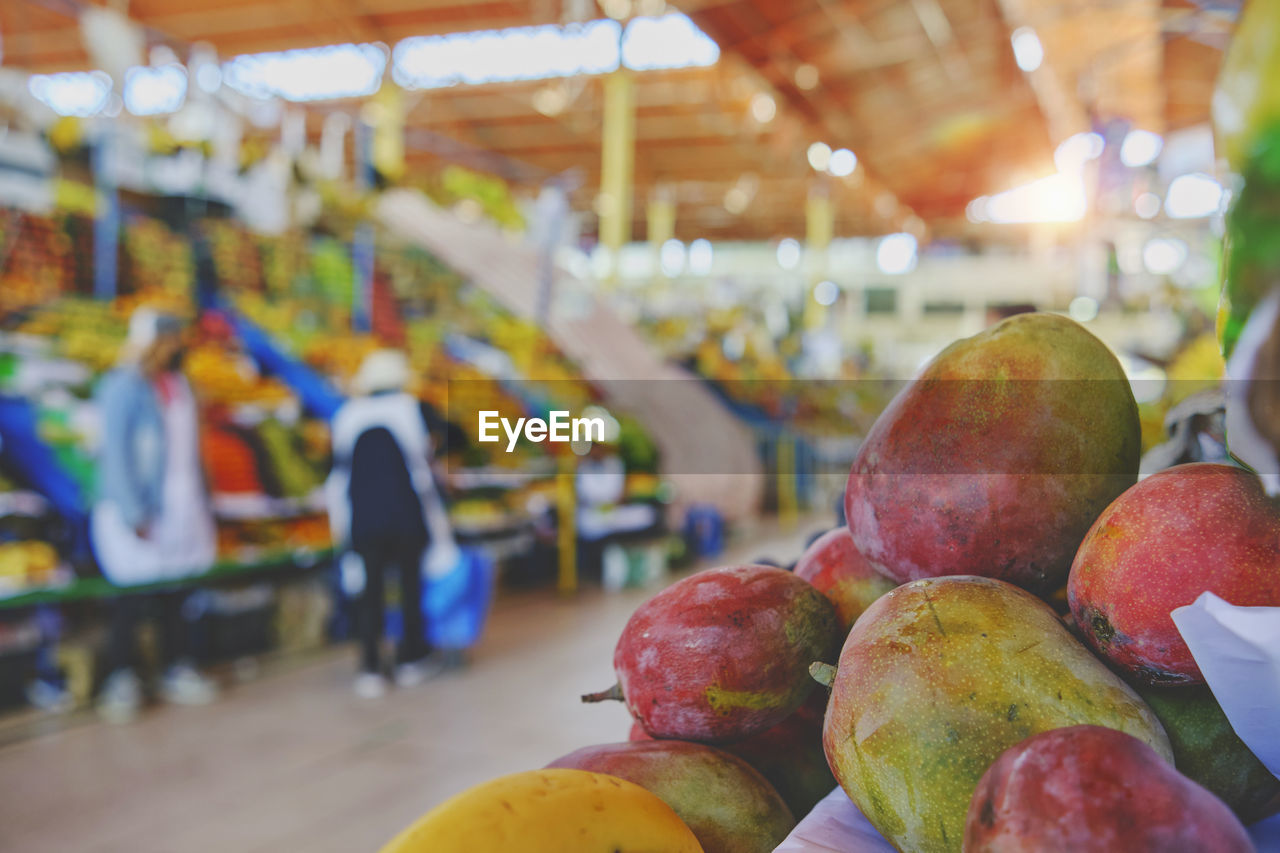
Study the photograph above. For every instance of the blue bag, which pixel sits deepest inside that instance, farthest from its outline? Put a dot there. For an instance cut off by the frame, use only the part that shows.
(456, 603)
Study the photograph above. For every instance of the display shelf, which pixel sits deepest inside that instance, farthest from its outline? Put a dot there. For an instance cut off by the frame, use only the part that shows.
(84, 589)
(468, 479)
(256, 507)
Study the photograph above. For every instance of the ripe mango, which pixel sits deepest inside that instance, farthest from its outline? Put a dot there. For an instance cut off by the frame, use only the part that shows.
(1208, 752)
(549, 811)
(789, 755)
(996, 460)
(1186, 530)
(1083, 789)
(836, 568)
(729, 806)
(940, 676)
(722, 654)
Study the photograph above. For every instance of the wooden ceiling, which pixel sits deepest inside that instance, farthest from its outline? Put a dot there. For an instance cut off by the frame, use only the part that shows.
(926, 92)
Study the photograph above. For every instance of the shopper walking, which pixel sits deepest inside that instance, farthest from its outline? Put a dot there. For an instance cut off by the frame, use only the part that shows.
(152, 521)
(385, 510)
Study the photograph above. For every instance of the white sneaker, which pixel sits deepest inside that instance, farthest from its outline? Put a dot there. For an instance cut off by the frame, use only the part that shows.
(182, 685)
(369, 685)
(121, 697)
(49, 697)
(412, 674)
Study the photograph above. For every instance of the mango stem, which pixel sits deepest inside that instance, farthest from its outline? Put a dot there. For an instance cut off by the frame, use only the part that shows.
(823, 673)
(614, 693)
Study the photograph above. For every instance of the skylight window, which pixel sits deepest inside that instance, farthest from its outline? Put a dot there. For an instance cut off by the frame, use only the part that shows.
(74, 93)
(672, 41)
(420, 62)
(152, 91)
(519, 53)
(310, 74)
(536, 53)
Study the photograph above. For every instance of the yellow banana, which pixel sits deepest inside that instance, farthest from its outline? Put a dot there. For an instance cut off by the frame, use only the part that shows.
(549, 811)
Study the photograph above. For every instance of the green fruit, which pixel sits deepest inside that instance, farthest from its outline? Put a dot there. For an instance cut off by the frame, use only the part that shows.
(1207, 750)
(937, 679)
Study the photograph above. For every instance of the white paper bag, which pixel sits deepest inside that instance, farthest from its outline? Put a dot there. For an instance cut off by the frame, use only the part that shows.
(1238, 652)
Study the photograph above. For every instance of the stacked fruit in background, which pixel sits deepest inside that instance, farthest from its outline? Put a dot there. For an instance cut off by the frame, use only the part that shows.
(156, 260)
(223, 374)
(254, 442)
(963, 711)
(266, 462)
(236, 253)
(44, 258)
(764, 380)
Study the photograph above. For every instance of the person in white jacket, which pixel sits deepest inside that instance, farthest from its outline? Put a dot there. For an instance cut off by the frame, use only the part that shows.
(384, 510)
(151, 522)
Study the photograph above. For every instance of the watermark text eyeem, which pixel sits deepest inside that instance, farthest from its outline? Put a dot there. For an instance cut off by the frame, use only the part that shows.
(558, 427)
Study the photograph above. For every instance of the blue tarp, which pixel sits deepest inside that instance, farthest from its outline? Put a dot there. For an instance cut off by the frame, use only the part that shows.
(25, 453)
(317, 394)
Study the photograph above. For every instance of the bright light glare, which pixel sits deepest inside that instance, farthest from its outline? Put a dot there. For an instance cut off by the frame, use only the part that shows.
(763, 107)
(1147, 206)
(1083, 309)
(819, 156)
(1140, 148)
(1193, 196)
(152, 91)
(671, 258)
(788, 254)
(842, 163)
(701, 255)
(73, 93)
(896, 254)
(672, 41)
(1057, 198)
(518, 53)
(1027, 50)
(1077, 150)
(1164, 255)
(825, 293)
(535, 53)
(309, 74)
(976, 210)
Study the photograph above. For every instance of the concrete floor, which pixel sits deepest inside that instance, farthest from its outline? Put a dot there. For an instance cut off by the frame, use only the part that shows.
(293, 761)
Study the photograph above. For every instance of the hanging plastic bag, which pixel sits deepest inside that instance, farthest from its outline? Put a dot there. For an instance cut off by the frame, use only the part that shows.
(456, 601)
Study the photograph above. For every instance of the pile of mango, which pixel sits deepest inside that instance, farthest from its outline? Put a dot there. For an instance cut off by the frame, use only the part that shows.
(157, 260)
(983, 658)
(222, 375)
(40, 261)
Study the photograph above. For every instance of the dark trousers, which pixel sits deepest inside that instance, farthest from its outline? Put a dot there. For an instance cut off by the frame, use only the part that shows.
(371, 608)
(128, 611)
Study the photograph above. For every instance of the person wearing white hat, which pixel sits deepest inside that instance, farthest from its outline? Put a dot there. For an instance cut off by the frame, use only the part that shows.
(152, 521)
(385, 511)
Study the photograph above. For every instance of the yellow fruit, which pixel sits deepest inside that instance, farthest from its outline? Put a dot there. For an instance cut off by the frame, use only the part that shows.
(549, 811)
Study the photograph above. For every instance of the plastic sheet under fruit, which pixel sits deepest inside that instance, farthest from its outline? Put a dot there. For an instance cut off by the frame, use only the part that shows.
(836, 826)
(1238, 652)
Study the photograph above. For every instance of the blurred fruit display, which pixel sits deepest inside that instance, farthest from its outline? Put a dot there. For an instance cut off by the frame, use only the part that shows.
(265, 460)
